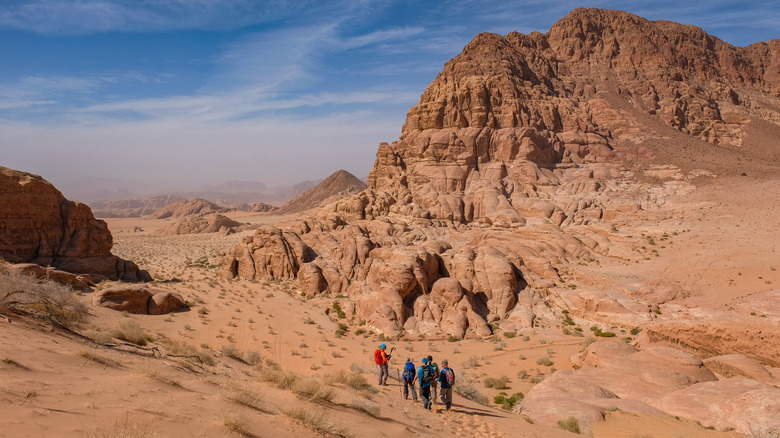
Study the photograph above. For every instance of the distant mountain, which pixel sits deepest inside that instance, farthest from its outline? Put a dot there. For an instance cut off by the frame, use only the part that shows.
(333, 188)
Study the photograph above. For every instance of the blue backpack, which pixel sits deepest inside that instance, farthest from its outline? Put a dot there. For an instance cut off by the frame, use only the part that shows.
(409, 370)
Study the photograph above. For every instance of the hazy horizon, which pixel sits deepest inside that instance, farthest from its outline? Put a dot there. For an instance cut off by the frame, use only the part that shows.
(143, 95)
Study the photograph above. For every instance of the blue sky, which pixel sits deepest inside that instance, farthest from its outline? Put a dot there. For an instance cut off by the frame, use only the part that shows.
(150, 94)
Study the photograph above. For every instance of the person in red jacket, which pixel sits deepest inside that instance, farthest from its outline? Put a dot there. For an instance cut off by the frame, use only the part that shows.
(382, 358)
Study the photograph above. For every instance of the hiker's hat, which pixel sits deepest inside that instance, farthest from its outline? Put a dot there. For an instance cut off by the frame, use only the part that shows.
(425, 360)
(382, 346)
(444, 362)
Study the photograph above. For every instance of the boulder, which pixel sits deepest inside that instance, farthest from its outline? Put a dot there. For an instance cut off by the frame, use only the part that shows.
(140, 299)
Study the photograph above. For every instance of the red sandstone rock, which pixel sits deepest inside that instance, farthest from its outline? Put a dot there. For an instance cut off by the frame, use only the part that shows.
(40, 226)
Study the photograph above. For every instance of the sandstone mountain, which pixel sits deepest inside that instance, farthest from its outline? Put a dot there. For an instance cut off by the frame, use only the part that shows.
(524, 157)
(133, 207)
(333, 188)
(192, 207)
(40, 226)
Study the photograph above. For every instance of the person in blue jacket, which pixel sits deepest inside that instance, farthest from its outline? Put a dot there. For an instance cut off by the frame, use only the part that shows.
(446, 381)
(409, 377)
(425, 376)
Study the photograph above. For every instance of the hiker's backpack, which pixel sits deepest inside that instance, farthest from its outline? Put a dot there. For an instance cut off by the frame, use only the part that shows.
(378, 356)
(449, 376)
(435, 370)
(427, 375)
(408, 370)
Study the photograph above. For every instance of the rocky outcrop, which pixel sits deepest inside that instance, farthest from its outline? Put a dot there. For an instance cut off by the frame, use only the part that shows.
(518, 144)
(140, 299)
(658, 380)
(261, 207)
(200, 224)
(38, 225)
(192, 207)
(337, 186)
(76, 282)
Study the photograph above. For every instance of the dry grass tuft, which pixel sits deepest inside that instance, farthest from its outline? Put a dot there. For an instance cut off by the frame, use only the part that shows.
(131, 332)
(127, 427)
(282, 379)
(151, 371)
(353, 380)
(316, 421)
(236, 423)
(247, 397)
(14, 363)
(314, 389)
(41, 298)
(366, 406)
(94, 357)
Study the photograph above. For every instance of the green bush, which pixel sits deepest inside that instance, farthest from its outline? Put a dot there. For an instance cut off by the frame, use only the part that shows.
(507, 403)
(510, 335)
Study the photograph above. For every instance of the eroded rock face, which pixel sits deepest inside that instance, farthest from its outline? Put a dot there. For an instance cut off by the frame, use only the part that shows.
(40, 226)
(520, 142)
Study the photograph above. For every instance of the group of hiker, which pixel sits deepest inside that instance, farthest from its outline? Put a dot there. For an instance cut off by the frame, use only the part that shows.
(434, 383)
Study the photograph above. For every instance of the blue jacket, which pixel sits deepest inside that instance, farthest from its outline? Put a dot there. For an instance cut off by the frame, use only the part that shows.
(443, 378)
(420, 376)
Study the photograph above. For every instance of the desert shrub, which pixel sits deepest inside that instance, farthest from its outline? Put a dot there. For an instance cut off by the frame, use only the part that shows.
(507, 403)
(597, 331)
(544, 361)
(128, 427)
(570, 424)
(468, 390)
(132, 332)
(41, 298)
(252, 357)
(496, 383)
(452, 338)
(635, 331)
(510, 335)
(282, 379)
(339, 311)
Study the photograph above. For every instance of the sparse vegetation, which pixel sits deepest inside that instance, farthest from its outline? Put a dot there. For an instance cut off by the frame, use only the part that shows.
(42, 299)
(316, 421)
(570, 424)
(131, 332)
(236, 423)
(496, 383)
(507, 402)
(544, 361)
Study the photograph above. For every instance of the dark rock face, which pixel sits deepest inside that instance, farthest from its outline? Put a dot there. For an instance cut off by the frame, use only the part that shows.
(38, 225)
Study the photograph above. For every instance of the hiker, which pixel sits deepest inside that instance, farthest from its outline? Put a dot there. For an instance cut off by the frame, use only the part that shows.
(435, 383)
(408, 377)
(447, 380)
(381, 358)
(425, 375)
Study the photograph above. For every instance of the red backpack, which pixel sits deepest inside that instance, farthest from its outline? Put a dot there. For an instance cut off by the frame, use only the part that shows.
(378, 356)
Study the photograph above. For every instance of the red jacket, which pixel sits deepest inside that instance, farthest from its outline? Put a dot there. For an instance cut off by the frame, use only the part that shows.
(385, 357)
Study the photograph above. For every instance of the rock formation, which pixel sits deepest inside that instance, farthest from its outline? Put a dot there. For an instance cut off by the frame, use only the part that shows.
(38, 225)
(521, 140)
(261, 207)
(200, 224)
(337, 186)
(192, 207)
(140, 299)
(658, 380)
